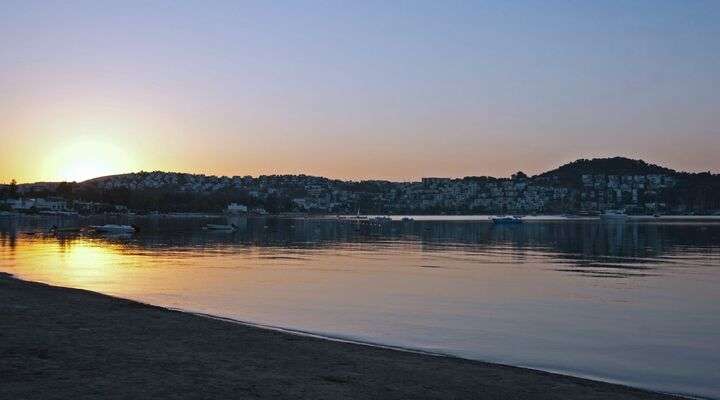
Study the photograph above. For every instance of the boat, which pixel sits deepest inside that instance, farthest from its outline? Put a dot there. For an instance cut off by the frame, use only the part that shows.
(614, 215)
(221, 227)
(65, 229)
(588, 213)
(113, 228)
(355, 219)
(509, 220)
(60, 213)
(407, 219)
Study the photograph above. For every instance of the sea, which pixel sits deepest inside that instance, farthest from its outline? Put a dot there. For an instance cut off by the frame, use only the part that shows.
(635, 302)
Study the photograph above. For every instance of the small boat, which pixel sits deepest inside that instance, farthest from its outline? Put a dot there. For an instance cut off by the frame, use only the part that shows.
(60, 213)
(112, 228)
(613, 215)
(588, 213)
(65, 229)
(351, 218)
(510, 220)
(220, 227)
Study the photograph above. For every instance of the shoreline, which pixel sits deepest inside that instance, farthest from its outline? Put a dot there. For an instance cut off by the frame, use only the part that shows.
(359, 342)
(56, 337)
(291, 215)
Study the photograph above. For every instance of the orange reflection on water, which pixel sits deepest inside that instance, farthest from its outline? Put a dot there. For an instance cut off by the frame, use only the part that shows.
(77, 262)
(102, 265)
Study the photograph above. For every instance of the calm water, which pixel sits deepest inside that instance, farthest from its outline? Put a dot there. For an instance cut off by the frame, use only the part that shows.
(635, 302)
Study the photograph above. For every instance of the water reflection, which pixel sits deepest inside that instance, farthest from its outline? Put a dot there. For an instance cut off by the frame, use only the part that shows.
(613, 301)
(584, 247)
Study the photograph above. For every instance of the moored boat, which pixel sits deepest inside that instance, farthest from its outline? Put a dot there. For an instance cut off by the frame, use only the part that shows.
(113, 228)
(65, 229)
(613, 215)
(508, 220)
(221, 227)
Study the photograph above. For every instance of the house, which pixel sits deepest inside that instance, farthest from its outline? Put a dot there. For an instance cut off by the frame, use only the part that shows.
(235, 208)
(259, 211)
(39, 204)
(86, 207)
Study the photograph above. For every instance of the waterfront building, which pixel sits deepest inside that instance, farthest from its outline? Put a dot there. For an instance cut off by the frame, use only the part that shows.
(235, 208)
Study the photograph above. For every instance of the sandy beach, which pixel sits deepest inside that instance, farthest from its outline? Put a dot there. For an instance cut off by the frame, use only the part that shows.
(67, 343)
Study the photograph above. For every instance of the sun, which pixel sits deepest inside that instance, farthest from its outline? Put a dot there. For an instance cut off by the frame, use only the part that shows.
(87, 158)
(83, 170)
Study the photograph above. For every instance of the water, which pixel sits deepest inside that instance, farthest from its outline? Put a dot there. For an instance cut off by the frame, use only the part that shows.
(636, 303)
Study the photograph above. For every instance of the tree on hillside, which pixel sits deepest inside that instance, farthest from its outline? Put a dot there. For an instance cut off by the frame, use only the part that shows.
(12, 189)
(519, 175)
(65, 189)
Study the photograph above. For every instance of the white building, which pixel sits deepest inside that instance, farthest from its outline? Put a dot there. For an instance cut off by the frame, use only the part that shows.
(235, 208)
(37, 204)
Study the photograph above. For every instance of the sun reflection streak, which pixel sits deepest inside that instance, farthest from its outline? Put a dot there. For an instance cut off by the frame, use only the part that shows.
(79, 263)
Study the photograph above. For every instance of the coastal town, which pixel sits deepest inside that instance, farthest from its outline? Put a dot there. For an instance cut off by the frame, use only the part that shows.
(644, 189)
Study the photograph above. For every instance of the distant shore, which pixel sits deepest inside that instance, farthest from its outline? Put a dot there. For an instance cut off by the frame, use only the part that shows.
(207, 215)
(69, 343)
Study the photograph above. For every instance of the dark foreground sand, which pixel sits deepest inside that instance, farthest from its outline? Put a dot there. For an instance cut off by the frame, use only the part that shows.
(59, 343)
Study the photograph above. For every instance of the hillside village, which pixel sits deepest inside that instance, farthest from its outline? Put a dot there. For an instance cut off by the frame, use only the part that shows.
(584, 186)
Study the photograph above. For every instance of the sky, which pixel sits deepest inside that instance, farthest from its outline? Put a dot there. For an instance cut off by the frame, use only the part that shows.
(373, 89)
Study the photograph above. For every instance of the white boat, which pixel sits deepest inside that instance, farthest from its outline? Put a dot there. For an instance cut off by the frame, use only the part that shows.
(112, 228)
(614, 215)
(509, 220)
(220, 227)
(354, 219)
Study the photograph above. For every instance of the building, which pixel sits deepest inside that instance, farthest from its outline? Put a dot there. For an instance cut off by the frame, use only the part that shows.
(235, 208)
(38, 204)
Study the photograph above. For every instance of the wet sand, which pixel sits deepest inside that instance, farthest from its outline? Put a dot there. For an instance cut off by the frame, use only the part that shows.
(67, 343)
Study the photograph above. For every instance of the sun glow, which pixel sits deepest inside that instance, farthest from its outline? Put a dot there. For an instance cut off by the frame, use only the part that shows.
(87, 158)
(76, 262)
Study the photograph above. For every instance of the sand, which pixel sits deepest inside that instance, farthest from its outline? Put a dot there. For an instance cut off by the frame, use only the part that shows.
(61, 343)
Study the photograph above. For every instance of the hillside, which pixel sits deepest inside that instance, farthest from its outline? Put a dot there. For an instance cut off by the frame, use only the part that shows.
(590, 185)
(572, 173)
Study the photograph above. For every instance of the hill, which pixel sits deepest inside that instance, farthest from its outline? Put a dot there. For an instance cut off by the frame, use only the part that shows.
(583, 185)
(572, 173)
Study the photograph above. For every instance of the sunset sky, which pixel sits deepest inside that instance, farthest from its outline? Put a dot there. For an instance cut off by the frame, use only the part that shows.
(371, 89)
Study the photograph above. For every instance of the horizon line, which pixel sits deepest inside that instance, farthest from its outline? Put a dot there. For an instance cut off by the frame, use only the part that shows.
(356, 179)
